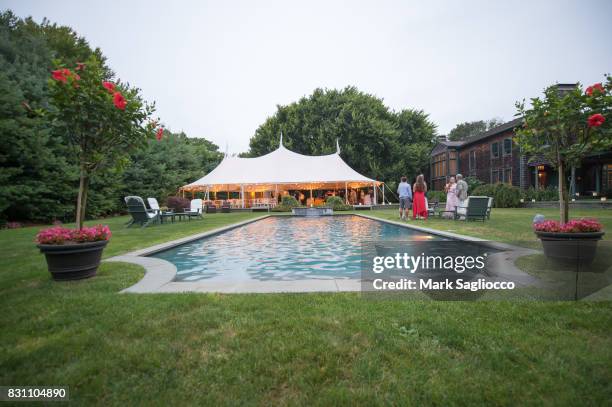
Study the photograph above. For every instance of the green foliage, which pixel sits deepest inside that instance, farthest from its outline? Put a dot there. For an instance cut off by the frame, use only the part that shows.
(162, 166)
(504, 195)
(473, 183)
(439, 196)
(375, 141)
(556, 128)
(337, 204)
(39, 174)
(289, 201)
(549, 193)
(466, 130)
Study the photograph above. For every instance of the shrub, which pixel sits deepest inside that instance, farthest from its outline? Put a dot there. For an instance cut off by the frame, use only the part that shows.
(547, 194)
(289, 201)
(473, 183)
(177, 203)
(573, 226)
(439, 196)
(504, 195)
(337, 204)
(60, 235)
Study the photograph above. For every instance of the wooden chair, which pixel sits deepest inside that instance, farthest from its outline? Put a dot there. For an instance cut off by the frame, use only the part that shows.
(475, 209)
(139, 212)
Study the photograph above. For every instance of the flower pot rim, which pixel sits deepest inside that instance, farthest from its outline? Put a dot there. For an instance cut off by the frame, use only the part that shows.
(569, 234)
(64, 245)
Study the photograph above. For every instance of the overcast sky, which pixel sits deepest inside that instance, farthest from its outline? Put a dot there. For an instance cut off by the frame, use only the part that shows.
(218, 69)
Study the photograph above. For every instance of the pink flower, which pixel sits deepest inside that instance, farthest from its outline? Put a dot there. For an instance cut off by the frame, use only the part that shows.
(60, 235)
(58, 75)
(595, 87)
(159, 134)
(596, 120)
(573, 226)
(109, 86)
(80, 66)
(119, 101)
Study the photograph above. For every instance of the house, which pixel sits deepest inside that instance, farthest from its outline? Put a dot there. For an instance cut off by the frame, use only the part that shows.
(493, 157)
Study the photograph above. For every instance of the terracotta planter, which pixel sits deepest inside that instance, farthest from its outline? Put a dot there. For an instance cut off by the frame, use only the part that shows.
(577, 248)
(73, 261)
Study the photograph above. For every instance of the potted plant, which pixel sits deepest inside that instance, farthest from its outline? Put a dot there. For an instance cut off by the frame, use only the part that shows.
(103, 121)
(574, 241)
(561, 130)
(73, 254)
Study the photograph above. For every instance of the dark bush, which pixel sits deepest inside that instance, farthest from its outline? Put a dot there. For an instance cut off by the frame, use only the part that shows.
(504, 195)
(439, 196)
(547, 194)
(473, 183)
(289, 201)
(177, 203)
(337, 204)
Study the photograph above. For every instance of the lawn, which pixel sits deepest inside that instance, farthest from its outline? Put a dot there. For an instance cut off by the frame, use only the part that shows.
(321, 349)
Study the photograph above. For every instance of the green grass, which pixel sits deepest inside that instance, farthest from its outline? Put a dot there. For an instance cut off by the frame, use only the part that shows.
(505, 225)
(310, 349)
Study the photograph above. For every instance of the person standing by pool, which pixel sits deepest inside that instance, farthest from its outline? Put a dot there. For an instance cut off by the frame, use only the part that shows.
(461, 190)
(419, 207)
(405, 196)
(451, 198)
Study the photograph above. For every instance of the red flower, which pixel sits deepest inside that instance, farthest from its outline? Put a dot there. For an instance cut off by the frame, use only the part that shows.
(80, 66)
(58, 75)
(66, 72)
(109, 86)
(119, 101)
(596, 120)
(159, 134)
(597, 86)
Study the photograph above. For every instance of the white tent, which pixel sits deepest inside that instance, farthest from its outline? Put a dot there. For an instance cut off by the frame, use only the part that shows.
(281, 169)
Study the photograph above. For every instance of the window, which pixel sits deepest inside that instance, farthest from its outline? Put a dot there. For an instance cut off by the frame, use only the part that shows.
(472, 161)
(495, 150)
(495, 175)
(508, 146)
(508, 176)
(438, 164)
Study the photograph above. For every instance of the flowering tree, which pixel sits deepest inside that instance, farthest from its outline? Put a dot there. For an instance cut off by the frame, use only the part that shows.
(101, 119)
(564, 127)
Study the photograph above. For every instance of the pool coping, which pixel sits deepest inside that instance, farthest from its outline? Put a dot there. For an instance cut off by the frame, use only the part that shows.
(160, 274)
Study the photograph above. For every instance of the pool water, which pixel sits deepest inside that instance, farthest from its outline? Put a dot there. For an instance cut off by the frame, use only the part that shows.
(284, 248)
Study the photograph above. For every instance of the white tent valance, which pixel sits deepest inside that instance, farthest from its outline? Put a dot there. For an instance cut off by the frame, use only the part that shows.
(281, 167)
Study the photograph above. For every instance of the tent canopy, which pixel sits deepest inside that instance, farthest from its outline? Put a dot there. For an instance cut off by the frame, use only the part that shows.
(284, 168)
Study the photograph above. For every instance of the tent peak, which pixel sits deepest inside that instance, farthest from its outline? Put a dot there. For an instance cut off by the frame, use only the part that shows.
(337, 146)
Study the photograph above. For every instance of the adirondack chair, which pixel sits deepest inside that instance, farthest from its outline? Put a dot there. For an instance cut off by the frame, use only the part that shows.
(195, 209)
(154, 205)
(475, 209)
(139, 212)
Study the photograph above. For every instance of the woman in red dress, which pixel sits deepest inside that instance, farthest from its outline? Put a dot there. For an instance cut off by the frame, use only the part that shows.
(419, 209)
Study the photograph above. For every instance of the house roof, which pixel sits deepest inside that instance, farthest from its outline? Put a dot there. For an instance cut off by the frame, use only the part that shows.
(494, 131)
(442, 145)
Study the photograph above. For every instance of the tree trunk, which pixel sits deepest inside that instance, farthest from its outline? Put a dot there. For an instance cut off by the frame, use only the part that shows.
(563, 195)
(82, 199)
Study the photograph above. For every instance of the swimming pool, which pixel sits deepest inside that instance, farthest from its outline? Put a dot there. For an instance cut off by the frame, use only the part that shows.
(284, 248)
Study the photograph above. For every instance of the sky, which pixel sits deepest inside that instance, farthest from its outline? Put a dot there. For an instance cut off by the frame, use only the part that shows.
(219, 69)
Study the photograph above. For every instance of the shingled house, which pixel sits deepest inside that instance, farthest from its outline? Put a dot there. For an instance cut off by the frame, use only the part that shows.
(493, 157)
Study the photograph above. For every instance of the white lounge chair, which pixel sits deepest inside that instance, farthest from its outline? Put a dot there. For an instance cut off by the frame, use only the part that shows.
(195, 209)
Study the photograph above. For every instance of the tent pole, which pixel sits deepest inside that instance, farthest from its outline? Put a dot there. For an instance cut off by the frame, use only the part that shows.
(383, 193)
(346, 193)
(242, 193)
(375, 200)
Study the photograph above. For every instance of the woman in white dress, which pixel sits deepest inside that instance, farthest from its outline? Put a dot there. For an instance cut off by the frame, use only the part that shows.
(451, 198)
